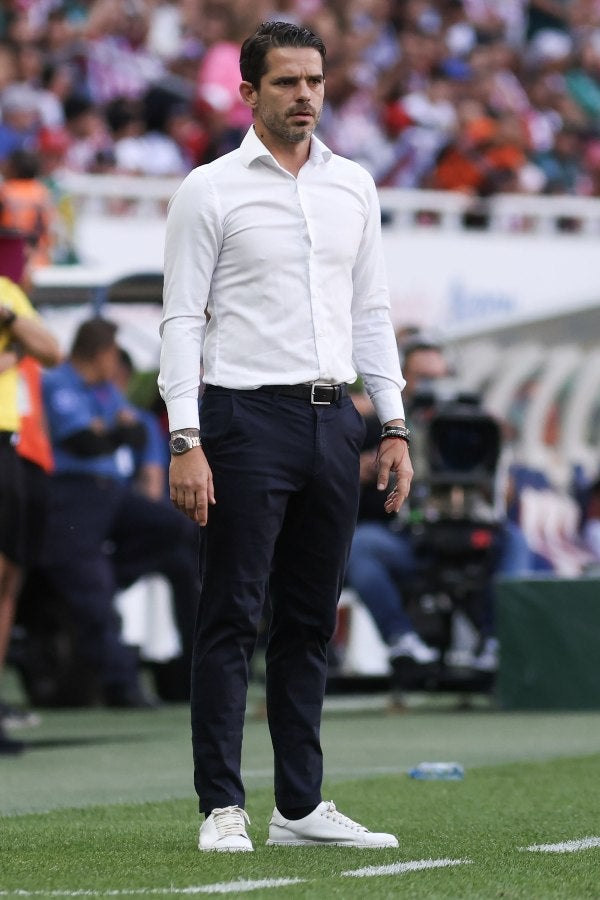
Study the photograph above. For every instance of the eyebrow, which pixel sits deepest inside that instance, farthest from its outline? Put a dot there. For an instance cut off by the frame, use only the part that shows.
(292, 79)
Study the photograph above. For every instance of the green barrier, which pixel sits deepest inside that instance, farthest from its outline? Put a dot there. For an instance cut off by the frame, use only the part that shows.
(549, 632)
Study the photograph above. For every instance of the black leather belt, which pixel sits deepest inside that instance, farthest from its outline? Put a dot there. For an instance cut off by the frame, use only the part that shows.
(317, 394)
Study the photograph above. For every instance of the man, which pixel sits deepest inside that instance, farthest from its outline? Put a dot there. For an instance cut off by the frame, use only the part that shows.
(101, 534)
(274, 277)
(21, 332)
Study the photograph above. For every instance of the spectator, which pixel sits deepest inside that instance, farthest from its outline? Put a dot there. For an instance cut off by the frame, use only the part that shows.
(20, 119)
(57, 82)
(91, 144)
(217, 90)
(582, 80)
(26, 205)
(487, 158)
(560, 165)
(53, 147)
(143, 145)
(103, 535)
(8, 66)
(428, 122)
(21, 332)
(118, 63)
(350, 123)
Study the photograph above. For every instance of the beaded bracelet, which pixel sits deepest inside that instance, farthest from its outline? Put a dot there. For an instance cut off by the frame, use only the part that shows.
(396, 431)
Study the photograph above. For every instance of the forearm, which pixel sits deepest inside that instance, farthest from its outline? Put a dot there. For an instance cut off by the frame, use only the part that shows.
(35, 340)
(90, 442)
(8, 359)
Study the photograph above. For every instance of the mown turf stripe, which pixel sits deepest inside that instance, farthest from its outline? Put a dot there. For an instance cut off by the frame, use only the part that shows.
(565, 846)
(226, 887)
(399, 868)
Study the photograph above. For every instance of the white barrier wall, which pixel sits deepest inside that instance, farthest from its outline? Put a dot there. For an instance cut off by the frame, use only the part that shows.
(530, 257)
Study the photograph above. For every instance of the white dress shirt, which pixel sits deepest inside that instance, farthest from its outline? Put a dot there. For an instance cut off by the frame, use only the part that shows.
(273, 279)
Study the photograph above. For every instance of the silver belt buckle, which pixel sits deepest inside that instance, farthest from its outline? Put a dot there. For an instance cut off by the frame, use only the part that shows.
(320, 402)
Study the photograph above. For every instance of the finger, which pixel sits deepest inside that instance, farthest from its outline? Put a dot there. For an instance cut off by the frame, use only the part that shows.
(178, 498)
(393, 502)
(403, 487)
(383, 475)
(210, 490)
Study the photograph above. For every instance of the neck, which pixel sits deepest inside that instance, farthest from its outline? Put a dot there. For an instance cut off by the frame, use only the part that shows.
(290, 156)
(86, 369)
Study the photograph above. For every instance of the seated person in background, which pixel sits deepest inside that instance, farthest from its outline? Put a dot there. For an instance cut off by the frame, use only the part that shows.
(150, 463)
(102, 535)
(382, 556)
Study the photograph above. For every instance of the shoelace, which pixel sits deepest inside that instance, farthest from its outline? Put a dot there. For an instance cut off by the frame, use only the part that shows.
(340, 819)
(230, 820)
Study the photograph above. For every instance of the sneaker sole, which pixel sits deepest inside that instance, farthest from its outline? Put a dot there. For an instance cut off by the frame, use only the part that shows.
(226, 849)
(273, 843)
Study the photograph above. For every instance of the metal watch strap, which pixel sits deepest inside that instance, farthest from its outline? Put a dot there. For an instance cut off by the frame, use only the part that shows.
(182, 441)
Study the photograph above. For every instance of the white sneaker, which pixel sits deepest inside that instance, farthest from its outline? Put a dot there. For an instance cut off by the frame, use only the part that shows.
(225, 831)
(412, 646)
(324, 825)
(487, 660)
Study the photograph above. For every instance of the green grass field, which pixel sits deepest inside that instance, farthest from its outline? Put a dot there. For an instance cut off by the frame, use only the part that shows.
(101, 805)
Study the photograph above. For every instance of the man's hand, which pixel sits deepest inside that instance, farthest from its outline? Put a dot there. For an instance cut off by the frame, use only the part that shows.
(393, 458)
(127, 416)
(191, 484)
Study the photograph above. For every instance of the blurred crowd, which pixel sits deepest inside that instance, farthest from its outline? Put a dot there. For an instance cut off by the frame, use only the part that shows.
(479, 96)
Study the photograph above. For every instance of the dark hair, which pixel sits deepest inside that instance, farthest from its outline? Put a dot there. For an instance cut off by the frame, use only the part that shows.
(126, 360)
(121, 112)
(253, 56)
(417, 342)
(23, 164)
(76, 105)
(92, 337)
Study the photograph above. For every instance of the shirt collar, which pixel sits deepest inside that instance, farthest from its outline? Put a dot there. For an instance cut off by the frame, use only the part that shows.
(253, 148)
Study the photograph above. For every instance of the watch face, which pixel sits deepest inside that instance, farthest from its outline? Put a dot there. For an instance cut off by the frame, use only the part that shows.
(179, 444)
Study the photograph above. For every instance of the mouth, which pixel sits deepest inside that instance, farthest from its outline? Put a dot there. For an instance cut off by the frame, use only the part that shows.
(303, 114)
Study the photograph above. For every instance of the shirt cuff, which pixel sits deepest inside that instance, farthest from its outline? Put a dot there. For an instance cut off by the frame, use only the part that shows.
(388, 405)
(183, 413)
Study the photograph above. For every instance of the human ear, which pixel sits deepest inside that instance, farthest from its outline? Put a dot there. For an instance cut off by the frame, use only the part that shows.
(249, 94)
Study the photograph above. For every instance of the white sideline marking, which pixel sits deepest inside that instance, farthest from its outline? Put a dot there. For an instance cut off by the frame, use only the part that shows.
(565, 846)
(226, 887)
(399, 868)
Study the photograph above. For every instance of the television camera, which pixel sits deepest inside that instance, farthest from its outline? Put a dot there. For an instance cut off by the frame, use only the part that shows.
(453, 517)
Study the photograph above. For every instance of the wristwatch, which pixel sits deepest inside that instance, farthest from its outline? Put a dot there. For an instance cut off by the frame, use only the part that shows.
(181, 443)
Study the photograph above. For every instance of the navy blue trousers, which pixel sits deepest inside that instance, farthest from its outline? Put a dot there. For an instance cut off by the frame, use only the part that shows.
(286, 478)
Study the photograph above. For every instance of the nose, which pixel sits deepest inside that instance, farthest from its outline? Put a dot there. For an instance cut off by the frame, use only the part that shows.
(303, 90)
